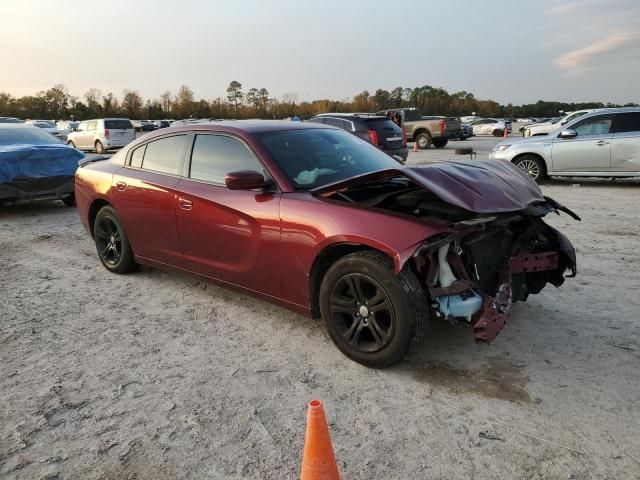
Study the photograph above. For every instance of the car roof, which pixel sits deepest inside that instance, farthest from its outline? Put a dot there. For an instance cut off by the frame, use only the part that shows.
(16, 125)
(240, 126)
(363, 116)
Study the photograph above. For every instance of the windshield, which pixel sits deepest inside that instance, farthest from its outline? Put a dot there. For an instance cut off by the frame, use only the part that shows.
(29, 136)
(44, 125)
(314, 157)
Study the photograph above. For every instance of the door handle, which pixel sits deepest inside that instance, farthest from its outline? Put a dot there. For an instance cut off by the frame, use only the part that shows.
(120, 186)
(185, 203)
(602, 142)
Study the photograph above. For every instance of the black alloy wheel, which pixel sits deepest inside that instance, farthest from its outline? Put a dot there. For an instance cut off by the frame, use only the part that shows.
(362, 312)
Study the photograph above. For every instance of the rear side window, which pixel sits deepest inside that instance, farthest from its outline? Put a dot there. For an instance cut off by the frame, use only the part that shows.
(137, 155)
(336, 122)
(118, 124)
(214, 156)
(627, 122)
(164, 155)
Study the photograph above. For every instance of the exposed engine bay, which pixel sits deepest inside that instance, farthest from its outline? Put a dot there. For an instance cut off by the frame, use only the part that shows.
(485, 262)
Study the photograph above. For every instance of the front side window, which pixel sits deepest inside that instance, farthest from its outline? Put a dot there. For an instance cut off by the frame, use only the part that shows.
(600, 125)
(627, 122)
(164, 155)
(92, 126)
(82, 127)
(214, 156)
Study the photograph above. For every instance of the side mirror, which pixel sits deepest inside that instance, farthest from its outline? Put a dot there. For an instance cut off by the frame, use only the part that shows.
(244, 180)
(568, 133)
(563, 122)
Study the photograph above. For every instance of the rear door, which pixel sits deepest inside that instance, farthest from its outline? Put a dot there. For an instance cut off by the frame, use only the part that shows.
(145, 197)
(589, 151)
(625, 143)
(80, 137)
(230, 235)
(389, 134)
(120, 129)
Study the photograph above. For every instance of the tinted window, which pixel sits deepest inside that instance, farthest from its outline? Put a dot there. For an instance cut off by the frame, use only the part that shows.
(314, 157)
(627, 122)
(214, 156)
(136, 156)
(383, 126)
(336, 122)
(600, 125)
(165, 155)
(118, 124)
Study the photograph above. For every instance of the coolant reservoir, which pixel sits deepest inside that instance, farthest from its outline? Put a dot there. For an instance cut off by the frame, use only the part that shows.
(454, 305)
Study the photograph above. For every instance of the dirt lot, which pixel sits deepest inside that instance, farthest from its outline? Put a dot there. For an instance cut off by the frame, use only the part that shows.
(161, 375)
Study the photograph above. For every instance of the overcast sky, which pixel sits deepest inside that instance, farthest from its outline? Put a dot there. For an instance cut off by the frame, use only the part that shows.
(513, 51)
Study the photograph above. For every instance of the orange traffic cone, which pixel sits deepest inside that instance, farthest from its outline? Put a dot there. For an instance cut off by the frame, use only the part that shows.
(505, 134)
(415, 146)
(318, 461)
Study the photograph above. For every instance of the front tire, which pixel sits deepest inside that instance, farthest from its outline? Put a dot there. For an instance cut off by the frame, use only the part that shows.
(112, 243)
(498, 132)
(440, 142)
(533, 166)
(99, 147)
(374, 316)
(423, 140)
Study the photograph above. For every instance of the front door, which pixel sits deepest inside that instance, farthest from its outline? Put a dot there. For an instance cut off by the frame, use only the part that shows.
(589, 150)
(230, 235)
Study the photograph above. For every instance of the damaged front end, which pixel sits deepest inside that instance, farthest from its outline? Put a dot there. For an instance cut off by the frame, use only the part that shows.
(496, 248)
(475, 273)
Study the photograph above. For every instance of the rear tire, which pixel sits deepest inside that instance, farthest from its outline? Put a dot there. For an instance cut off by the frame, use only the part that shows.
(99, 147)
(533, 166)
(112, 243)
(423, 140)
(440, 142)
(374, 316)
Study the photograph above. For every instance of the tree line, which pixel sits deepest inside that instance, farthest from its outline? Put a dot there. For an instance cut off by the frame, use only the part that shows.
(57, 103)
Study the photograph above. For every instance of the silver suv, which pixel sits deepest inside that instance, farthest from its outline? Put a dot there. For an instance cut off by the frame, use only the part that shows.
(102, 134)
(603, 143)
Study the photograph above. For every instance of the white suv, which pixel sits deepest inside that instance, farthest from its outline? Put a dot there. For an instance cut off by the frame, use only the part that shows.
(102, 134)
(546, 127)
(603, 143)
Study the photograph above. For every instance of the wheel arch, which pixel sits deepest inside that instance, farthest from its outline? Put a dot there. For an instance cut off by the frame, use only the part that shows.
(94, 208)
(323, 261)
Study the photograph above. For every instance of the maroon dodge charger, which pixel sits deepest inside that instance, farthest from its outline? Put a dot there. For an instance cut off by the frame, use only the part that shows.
(320, 221)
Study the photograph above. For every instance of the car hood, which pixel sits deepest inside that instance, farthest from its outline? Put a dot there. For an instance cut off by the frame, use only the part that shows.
(480, 186)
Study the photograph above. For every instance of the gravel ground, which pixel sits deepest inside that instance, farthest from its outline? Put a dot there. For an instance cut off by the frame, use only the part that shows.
(161, 375)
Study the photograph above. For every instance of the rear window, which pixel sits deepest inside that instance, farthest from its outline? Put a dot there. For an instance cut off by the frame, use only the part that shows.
(382, 125)
(118, 124)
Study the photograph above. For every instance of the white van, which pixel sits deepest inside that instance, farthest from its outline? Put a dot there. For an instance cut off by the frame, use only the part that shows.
(102, 134)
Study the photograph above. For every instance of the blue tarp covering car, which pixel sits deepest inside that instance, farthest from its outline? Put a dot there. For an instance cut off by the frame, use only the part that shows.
(35, 165)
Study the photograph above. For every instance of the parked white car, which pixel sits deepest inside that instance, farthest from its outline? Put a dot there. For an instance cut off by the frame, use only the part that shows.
(547, 127)
(602, 143)
(102, 134)
(490, 126)
(469, 118)
(48, 127)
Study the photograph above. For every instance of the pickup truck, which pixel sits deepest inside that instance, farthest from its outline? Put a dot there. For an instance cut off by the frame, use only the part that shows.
(425, 131)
